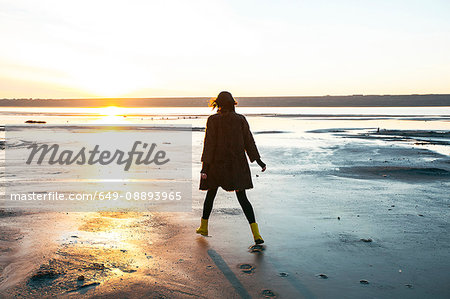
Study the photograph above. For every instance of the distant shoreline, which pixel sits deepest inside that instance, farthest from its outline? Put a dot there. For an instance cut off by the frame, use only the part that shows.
(414, 100)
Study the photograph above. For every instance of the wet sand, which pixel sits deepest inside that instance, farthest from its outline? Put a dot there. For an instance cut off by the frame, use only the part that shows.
(130, 255)
(345, 211)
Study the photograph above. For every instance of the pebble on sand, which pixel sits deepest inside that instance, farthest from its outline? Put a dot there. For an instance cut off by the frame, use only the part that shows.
(363, 281)
(321, 275)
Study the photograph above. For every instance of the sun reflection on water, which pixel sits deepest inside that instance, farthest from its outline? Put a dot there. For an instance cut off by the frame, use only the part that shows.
(111, 115)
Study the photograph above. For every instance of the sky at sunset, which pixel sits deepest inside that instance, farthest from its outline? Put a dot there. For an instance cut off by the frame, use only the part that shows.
(68, 49)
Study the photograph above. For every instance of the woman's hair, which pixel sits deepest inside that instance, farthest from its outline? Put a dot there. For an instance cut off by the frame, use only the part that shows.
(224, 102)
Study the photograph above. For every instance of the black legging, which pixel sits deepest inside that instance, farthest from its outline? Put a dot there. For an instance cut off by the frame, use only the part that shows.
(243, 201)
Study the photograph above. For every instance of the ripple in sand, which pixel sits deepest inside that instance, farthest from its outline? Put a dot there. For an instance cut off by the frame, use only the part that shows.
(228, 211)
(369, 240)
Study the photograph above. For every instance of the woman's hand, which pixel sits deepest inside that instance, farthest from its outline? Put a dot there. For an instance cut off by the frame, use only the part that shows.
(261, 164)
(203, 176)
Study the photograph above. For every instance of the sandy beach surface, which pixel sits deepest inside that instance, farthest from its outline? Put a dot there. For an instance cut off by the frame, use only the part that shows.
(351, 206)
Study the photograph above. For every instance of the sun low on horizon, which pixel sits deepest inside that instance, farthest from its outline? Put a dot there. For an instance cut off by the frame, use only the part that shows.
(73, 49)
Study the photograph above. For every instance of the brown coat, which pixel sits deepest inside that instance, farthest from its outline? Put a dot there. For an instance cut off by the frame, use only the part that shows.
(227, 139)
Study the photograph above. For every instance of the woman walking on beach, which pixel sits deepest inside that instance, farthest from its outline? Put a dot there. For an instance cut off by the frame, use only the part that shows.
(227, 139)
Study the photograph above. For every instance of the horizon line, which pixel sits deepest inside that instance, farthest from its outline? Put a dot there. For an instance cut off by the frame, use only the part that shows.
(209, 97)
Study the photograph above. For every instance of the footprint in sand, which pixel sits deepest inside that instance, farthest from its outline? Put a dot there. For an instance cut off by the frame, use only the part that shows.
(246, 268)
(256, 248)
(268, 293)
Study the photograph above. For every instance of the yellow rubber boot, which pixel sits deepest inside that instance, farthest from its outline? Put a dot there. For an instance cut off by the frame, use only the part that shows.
(203, 229)
(255, 231)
